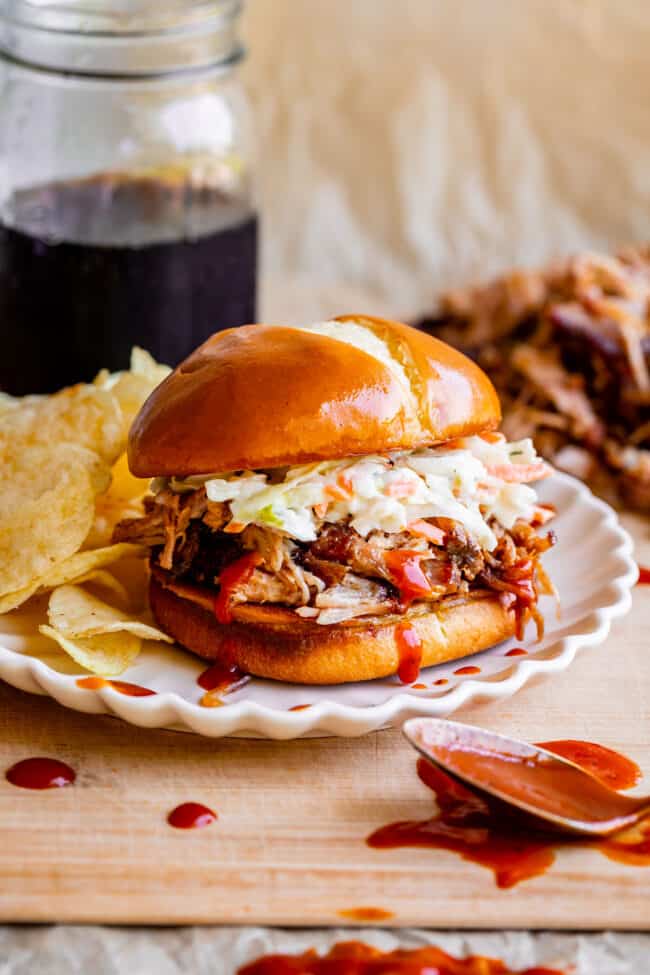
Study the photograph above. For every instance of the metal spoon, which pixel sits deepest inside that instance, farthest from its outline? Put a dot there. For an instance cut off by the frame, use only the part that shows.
(528, 777)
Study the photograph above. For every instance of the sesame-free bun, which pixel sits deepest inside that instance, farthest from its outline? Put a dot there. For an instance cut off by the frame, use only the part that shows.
(264, 396)
(275, 643)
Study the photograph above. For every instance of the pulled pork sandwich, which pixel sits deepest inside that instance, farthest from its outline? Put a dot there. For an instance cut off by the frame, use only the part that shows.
(568, 349)
(331, 503)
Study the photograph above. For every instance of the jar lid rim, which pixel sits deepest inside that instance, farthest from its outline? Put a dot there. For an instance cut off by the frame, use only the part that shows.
(155, 38)
(128, 18)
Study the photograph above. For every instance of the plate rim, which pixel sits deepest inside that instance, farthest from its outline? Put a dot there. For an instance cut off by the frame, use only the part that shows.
(168, 710)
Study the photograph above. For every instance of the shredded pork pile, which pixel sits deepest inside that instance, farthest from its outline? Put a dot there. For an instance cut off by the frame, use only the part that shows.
(333, 572)
(568, 350)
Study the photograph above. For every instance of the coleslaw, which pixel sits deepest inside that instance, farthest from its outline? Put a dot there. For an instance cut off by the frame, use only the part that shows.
(470, 480)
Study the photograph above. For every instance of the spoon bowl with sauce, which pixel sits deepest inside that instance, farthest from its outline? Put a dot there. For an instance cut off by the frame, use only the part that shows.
(536, 781)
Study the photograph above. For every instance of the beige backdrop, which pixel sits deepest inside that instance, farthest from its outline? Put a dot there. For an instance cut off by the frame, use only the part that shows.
(410, 144)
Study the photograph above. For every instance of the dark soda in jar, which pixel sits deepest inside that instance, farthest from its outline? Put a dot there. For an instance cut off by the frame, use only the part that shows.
(91, 267)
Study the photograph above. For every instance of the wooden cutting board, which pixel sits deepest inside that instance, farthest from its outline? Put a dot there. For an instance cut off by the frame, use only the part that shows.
(288, 848)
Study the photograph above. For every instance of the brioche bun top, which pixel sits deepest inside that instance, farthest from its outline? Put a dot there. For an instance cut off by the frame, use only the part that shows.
(264, 396)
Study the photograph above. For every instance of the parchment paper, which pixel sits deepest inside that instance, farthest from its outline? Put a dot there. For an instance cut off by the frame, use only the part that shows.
(219, 951)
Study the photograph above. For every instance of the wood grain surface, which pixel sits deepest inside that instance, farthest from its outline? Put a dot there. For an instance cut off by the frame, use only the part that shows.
(288, 847)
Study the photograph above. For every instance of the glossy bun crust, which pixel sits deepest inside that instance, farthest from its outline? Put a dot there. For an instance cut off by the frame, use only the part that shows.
(265, 396)
(274, 643)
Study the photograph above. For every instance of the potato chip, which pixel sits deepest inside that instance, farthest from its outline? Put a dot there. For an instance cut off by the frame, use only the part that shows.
(74, 612)
(47, 506)
(86, 415)
(133, 573)
(12, 600)
(82, 562)
(124, 484)
(7, 402)
(59, 499)
(107, 655)
(144, 364)
(122, 500)
(130, 392)
(108, 512)
(104, 379)
(72, 570)
(132, 387)
(105, 580)
(99, 471)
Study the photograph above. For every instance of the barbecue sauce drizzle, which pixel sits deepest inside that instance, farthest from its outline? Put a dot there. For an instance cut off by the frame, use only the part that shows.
(409, 649)
(237, 572)
(502, 839)
(223, 676)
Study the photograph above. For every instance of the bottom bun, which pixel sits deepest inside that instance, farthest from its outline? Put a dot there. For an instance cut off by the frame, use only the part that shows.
(279, 645)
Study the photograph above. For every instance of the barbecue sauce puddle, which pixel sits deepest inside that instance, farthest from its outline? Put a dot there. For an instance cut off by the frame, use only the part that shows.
(40, 773)
(191, 815)
(504, 840)
(357, 958)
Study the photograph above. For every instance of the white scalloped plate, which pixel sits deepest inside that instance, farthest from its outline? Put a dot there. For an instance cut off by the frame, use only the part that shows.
(591, 565)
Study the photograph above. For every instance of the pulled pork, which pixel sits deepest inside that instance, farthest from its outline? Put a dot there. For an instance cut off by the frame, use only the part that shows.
(568, 349)
(341, 575)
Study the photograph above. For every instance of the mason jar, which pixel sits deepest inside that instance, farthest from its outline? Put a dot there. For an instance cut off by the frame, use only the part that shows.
(127, 207)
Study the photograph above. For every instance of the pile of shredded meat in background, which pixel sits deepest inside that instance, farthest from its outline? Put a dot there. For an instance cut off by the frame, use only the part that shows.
(568, 350)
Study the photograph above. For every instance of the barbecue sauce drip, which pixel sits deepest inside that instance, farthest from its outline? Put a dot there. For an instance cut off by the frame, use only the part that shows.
(516, 652)
(222, 676)
(233, 575)
(408, 576)
(191, 815)
(122, 686)
(40, 773)
(356, 958)
(469, 669)
(495, 836)
(409, 648)
(644, 576)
